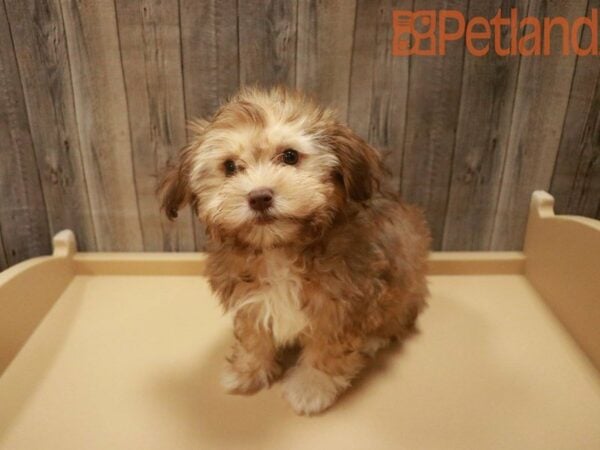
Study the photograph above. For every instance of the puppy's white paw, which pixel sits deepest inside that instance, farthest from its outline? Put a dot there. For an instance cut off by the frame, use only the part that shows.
(310, 391)
(236, 382)
(373, 344)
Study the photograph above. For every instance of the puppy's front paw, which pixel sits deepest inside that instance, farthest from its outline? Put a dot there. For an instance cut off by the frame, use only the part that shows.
(310, 391)
(373, 344)
(245, 374)
(238, 382)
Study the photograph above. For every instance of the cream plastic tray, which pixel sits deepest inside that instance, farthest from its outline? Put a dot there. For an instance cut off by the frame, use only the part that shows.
(123, 351)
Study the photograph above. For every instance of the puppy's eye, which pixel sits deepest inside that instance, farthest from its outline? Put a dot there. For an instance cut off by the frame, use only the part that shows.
(230, 167)
(290, 156)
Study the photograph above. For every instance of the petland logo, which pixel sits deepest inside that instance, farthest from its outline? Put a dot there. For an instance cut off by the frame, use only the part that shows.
(428, 32)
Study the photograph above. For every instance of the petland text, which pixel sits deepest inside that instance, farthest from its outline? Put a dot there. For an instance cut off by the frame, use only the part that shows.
(427, 32)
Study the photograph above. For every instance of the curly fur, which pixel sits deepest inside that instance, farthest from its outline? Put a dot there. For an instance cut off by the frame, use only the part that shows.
(336, 265)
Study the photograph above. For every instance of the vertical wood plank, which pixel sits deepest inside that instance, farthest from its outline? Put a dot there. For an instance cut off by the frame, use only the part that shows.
(576, 179)
(379, 82)
(324, 53)
(542, 96)
(151, 54)
(209, 41)
(39, 39)
(486, 107)
(101, 109)
(362, 67)
(3, 259)
(267, 40)
(23, 218)
(432, 119)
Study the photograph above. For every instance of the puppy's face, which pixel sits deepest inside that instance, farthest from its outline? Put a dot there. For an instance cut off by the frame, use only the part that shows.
(262, 182)
(270, 169)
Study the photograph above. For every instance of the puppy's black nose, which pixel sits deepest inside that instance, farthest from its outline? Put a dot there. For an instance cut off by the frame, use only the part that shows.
(260, 199)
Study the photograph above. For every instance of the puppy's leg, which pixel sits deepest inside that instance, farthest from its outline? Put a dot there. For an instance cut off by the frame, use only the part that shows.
(324, 371)
(253, 362)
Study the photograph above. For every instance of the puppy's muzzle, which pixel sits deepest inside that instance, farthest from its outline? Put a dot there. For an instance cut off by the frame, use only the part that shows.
(260, 199)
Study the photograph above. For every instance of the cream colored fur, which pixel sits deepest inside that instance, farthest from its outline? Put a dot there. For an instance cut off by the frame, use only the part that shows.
(279, 299)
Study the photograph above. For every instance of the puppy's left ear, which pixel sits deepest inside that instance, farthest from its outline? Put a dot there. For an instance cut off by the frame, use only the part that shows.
(360, 164)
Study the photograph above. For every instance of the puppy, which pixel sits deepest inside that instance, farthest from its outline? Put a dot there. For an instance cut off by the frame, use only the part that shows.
(307, 245)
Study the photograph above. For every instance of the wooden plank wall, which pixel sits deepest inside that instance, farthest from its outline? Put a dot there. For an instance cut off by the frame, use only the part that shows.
(94, 97)
(23, 211)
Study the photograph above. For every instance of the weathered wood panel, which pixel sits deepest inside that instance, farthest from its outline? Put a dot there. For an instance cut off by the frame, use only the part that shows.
(324, 52)
(540, 106)
(94, 97)
(209, 42)
(25, 231)
(576, 179)
(267, 40)
(39, 39)
(379, 83)
(3, 259)
(432, 119)
(101, 108)
(486, 105)
(151, 54)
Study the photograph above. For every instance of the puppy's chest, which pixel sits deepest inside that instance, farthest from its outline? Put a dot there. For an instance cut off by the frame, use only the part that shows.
(279, 296)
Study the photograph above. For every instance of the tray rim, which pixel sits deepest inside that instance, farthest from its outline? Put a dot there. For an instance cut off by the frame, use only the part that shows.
(193, 263)
(556, 270)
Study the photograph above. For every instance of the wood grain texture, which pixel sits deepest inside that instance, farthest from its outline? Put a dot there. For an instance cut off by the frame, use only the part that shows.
(209, 44)
(543, 88)
(432, 120)
(101, 107)
(324, 52)
(576, 179)
(3, 259)
(25, 231)
(39, 38)
(267, 42)
(151, 54)
(94, 97)
(378, 83)
(209, 41)
(486, 106)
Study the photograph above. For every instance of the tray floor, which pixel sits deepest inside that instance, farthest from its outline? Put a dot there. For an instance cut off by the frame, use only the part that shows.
(125, 362)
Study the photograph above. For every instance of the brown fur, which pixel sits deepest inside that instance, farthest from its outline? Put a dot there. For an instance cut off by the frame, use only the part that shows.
(339, 266)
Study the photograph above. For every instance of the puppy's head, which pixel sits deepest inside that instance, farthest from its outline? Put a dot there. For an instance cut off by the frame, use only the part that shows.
(270, 169)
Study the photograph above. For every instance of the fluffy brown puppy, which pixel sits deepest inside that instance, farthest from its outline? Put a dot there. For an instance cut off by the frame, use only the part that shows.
(307, 246)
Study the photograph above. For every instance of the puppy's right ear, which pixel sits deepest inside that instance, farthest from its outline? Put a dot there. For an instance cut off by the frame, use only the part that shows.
(174, 186)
